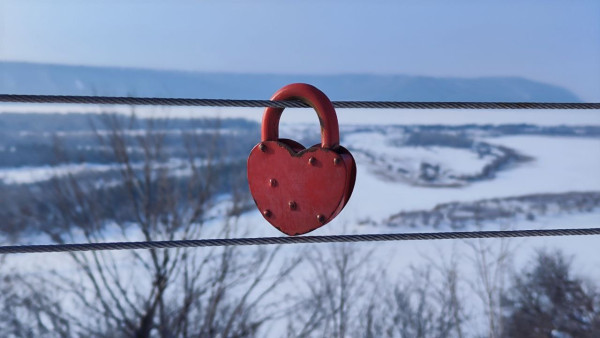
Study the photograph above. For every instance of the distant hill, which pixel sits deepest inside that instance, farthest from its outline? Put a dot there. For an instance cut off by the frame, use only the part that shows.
(50, 79)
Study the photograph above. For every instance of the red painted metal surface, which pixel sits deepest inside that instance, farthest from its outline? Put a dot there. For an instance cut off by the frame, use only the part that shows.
(298, 190)
(330, 133)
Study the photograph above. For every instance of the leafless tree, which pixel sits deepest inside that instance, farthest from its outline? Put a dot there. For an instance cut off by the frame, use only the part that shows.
(423, 303)
(547, 299)
(156, 293)
(349, 296)
(28, 307)
(329, 302)
(492, 263)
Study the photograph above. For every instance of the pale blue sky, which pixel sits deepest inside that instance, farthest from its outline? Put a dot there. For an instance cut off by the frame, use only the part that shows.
(553, 41)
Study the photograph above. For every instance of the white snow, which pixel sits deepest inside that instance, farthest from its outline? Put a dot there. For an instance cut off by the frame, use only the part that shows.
(453, 161)
(31, 174)
(561, 164)
(25, 175)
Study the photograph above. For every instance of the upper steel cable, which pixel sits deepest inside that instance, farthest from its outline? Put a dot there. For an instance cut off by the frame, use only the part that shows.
(158, 101)
(293, 240)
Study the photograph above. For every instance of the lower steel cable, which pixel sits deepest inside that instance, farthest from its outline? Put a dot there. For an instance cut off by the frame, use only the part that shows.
(12, 249)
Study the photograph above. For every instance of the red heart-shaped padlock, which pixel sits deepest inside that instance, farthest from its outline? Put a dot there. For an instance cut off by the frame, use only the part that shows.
(296, 189)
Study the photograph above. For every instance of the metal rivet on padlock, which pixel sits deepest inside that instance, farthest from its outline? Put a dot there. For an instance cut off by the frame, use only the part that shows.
(301, 188)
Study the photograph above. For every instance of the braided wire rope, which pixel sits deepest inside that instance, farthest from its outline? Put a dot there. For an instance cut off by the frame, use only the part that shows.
(293, 240)
(158, 101)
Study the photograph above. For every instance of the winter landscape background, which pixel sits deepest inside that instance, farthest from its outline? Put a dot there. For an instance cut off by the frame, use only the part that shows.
(79, 173)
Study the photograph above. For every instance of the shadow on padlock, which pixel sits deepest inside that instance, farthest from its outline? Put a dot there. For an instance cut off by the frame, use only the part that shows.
(298, 190)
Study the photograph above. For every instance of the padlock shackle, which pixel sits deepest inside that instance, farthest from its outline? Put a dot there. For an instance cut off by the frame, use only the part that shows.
(330, 132)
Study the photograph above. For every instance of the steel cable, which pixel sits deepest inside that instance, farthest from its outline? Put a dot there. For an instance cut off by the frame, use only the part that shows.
(158, 101)
(12, 249)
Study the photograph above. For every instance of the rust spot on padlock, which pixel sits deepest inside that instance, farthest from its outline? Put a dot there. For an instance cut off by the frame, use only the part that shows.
(310, 191)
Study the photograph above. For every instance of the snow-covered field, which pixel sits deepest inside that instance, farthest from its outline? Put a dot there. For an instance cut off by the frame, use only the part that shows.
(34, 174)
(559, 165)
